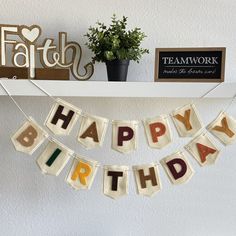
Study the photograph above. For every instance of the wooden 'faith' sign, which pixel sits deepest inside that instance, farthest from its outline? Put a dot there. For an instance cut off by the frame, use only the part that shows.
(55, 60)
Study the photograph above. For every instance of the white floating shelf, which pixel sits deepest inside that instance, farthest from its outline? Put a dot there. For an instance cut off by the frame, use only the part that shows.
(118, 89)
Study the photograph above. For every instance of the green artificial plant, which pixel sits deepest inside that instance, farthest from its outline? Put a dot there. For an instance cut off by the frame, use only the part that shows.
(115, 41)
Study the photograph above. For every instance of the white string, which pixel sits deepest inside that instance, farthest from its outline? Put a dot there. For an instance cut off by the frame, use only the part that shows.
(43, 90)
(13, 100)
(230, 103)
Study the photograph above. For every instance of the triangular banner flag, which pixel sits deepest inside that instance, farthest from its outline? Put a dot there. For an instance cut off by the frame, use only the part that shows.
(62, 117)
(147, 179)
(158, 131)
(187, 120)
(92, 131)
(203, 150)
(115, 181)
(224, 128)
(54, 158)
(82, 173)
(124, 136)
(29, 137)
(177, 168)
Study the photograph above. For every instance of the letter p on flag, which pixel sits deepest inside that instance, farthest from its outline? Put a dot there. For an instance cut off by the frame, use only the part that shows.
(29, 137)
(124, 135)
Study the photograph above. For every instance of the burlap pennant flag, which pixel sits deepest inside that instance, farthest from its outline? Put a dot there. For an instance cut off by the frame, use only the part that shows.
(115, 181)
(124, 136)
(158, 131)
(29, 137)
(187, 120)
(92, 131)
(62, 117)
(177, 168)
(203, 150)
(54, 158)
(224, 128)
(147, 179)
(82, 173)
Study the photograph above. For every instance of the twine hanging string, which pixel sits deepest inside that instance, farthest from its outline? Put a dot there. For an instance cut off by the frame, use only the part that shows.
(13, 100)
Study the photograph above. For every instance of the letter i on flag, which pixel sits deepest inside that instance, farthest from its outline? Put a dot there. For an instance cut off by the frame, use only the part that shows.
(92, 131)
(187, 120)
(147, 179)
(54, 158)
(62, 117)
(124, 136)
(82, 173)
(157, 131)
(177, 168)
(203, 150)
(224, 128)
(115, 181)
(29, 137)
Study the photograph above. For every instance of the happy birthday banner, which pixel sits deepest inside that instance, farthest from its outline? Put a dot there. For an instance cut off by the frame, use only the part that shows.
(63, 116)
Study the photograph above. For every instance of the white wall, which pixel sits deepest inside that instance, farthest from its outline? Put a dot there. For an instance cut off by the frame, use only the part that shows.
(31, 203)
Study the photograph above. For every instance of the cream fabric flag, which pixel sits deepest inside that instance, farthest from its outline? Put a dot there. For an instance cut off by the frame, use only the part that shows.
(54, 158)
(177, 168)
(115, 181)
(92, 131)
(203, 150)
(62, 117)
(187, 120)
(124, 136)
(158, 131)
(82, 173)
(147, 179)
(29, 137)
(224, 128)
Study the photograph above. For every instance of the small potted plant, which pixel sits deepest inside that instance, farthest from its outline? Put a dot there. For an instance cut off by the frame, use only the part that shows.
(116, 46)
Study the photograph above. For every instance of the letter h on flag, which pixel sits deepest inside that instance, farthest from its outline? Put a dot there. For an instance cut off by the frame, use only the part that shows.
(62, 117)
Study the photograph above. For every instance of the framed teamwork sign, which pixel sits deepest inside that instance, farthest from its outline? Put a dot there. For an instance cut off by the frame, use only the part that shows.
(190, 64)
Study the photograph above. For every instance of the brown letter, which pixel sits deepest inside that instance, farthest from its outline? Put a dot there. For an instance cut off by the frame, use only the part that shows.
(224, 128)
(173, 170)
(144, 178)
(185, 119)
(91, 132)
(27, 137)
(115, 175)
(121, 134)
(155, 134)
(59, 116)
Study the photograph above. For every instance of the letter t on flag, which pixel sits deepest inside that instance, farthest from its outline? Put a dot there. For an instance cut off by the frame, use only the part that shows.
(115, 183)
(62, 117)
